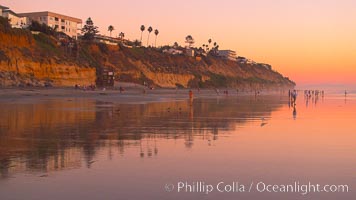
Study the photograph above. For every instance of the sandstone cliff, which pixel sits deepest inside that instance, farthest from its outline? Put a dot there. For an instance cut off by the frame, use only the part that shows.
(36, 60)
(40, 59)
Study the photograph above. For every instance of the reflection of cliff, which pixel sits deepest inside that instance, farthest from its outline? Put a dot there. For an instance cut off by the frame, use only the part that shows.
(180, 117)
(19, 119)
(35, 131)
(66, 158)
(55, 135)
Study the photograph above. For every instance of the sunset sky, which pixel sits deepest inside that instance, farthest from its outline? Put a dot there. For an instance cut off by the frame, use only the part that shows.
(310, 41)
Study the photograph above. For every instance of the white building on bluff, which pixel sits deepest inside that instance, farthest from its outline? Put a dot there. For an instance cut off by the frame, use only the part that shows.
(228, 54)
(173, 51)
(15, 20)
(2, 8)
(62, 23)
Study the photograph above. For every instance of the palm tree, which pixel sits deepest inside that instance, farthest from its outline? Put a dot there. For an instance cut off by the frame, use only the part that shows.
(142, 29)
(110, 29)
(215, 44)
(209, 41)
(156, 33)
(149, 32)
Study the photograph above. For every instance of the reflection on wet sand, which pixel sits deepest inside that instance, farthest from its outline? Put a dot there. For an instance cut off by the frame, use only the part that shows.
(59, 134)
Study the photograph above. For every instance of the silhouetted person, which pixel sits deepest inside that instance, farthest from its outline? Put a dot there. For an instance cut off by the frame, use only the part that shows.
(190, 94)
(294, 97)
(121, 89)
(217, 91)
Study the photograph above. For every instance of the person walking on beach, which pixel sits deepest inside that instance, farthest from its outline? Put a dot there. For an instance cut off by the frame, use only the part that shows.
(217, 91)
(191, 102)
(121, 89)
(294, 97)
(190, 94)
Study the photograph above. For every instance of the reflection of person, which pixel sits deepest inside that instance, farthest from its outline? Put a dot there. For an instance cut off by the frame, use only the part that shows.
(294, 113)
(191, 110)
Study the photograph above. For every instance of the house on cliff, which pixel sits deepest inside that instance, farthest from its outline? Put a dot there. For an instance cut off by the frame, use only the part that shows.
(15, 20)
(2, 8)
(173, 51)
(62, 23)
(227, 54)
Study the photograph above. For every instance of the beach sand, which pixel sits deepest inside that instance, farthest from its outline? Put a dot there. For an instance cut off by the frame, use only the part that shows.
(132, 94)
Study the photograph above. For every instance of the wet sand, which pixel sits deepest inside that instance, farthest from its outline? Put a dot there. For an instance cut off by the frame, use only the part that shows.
(68, 144)
(133, 94)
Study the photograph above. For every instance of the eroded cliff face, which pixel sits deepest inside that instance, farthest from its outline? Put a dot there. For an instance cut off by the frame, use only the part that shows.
(151, 65)
(24, 63)
(169, 80)
(38, 60)
(161, 79)
(29, 73)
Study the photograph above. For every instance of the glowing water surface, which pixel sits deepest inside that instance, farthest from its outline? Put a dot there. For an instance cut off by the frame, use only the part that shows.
(90, 149)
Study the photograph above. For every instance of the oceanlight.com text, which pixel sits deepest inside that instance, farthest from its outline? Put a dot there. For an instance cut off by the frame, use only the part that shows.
(260, 187)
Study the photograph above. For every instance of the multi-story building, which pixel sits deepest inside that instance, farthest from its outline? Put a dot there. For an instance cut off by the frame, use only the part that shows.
(61, 23)
(228, 54)
(15, 20)
(2, 8)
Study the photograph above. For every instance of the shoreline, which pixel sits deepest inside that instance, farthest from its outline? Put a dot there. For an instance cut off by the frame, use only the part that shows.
(130, 95)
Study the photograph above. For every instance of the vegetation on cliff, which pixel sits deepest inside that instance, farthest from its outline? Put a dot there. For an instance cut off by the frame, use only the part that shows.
(52, 58)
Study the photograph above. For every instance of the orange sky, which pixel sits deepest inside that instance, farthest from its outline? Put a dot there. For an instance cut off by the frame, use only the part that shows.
(308, 41)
